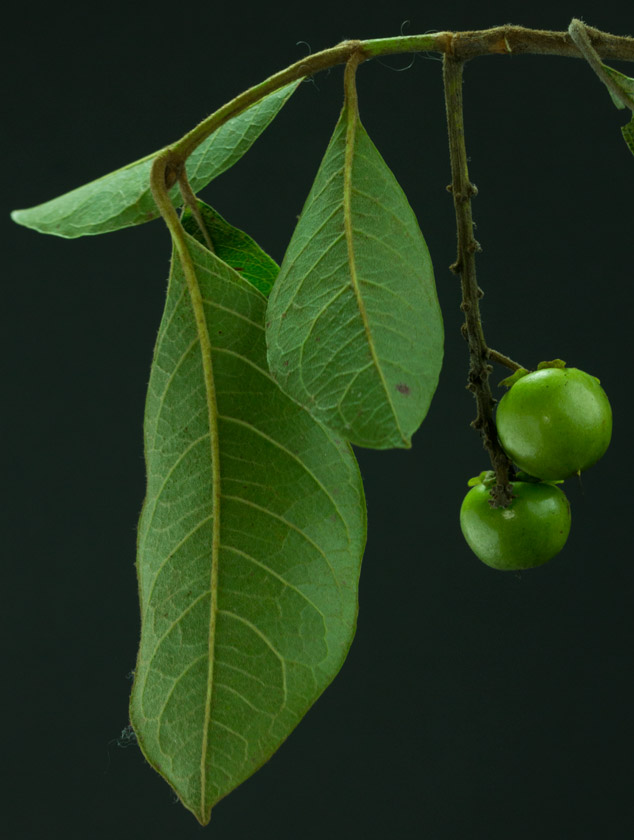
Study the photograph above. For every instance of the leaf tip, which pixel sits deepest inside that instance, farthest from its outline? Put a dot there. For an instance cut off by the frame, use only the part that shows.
(203, 818)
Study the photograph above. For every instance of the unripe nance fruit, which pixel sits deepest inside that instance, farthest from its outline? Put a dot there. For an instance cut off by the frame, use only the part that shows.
(555, 422)
(527, 533)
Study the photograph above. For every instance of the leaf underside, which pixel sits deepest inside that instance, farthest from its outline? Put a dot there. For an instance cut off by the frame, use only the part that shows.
(239, 637)
(354, 329)
(233, 247)
(123, 198)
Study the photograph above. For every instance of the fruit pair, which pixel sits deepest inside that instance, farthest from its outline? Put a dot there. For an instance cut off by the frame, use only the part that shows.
(552, 423)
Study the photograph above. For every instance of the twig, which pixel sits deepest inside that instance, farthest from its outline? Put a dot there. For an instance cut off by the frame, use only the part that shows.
(501, 359)
(499, 40)
(479, 354)
(192, 202)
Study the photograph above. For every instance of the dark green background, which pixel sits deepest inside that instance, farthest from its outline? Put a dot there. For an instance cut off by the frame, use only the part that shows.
(473, 704)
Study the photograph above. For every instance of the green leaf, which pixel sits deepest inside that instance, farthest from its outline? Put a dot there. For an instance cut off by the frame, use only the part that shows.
(123, 198)
(626, 83)
(628, 134)
(249, 546)
(354, 329)
(623, 81)
(233, 247)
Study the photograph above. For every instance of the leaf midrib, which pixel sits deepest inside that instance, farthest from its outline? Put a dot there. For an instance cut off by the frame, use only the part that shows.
(202, 331)
(352, 125)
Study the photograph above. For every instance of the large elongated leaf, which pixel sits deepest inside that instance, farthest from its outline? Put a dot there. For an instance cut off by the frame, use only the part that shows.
(123, 198)
(354, 328)
(249, 546)
(234, 247)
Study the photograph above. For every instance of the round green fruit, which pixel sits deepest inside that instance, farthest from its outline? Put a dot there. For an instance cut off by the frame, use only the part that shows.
(555, 422)
(527, 533)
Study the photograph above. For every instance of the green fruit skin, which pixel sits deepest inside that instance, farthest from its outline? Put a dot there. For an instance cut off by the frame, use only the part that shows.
(527, 533)
(555, 422)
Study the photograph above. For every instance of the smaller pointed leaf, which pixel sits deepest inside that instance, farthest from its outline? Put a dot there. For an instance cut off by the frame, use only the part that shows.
(123, 198)
(233, 247)
(354, 329)
(624, 82)
(628, 134)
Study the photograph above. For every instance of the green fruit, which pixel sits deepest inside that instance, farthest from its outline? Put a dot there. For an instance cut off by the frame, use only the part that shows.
(527, 533)
(555, 422)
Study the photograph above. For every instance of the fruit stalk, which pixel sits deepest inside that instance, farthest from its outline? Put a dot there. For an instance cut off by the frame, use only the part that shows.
(479, 369)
